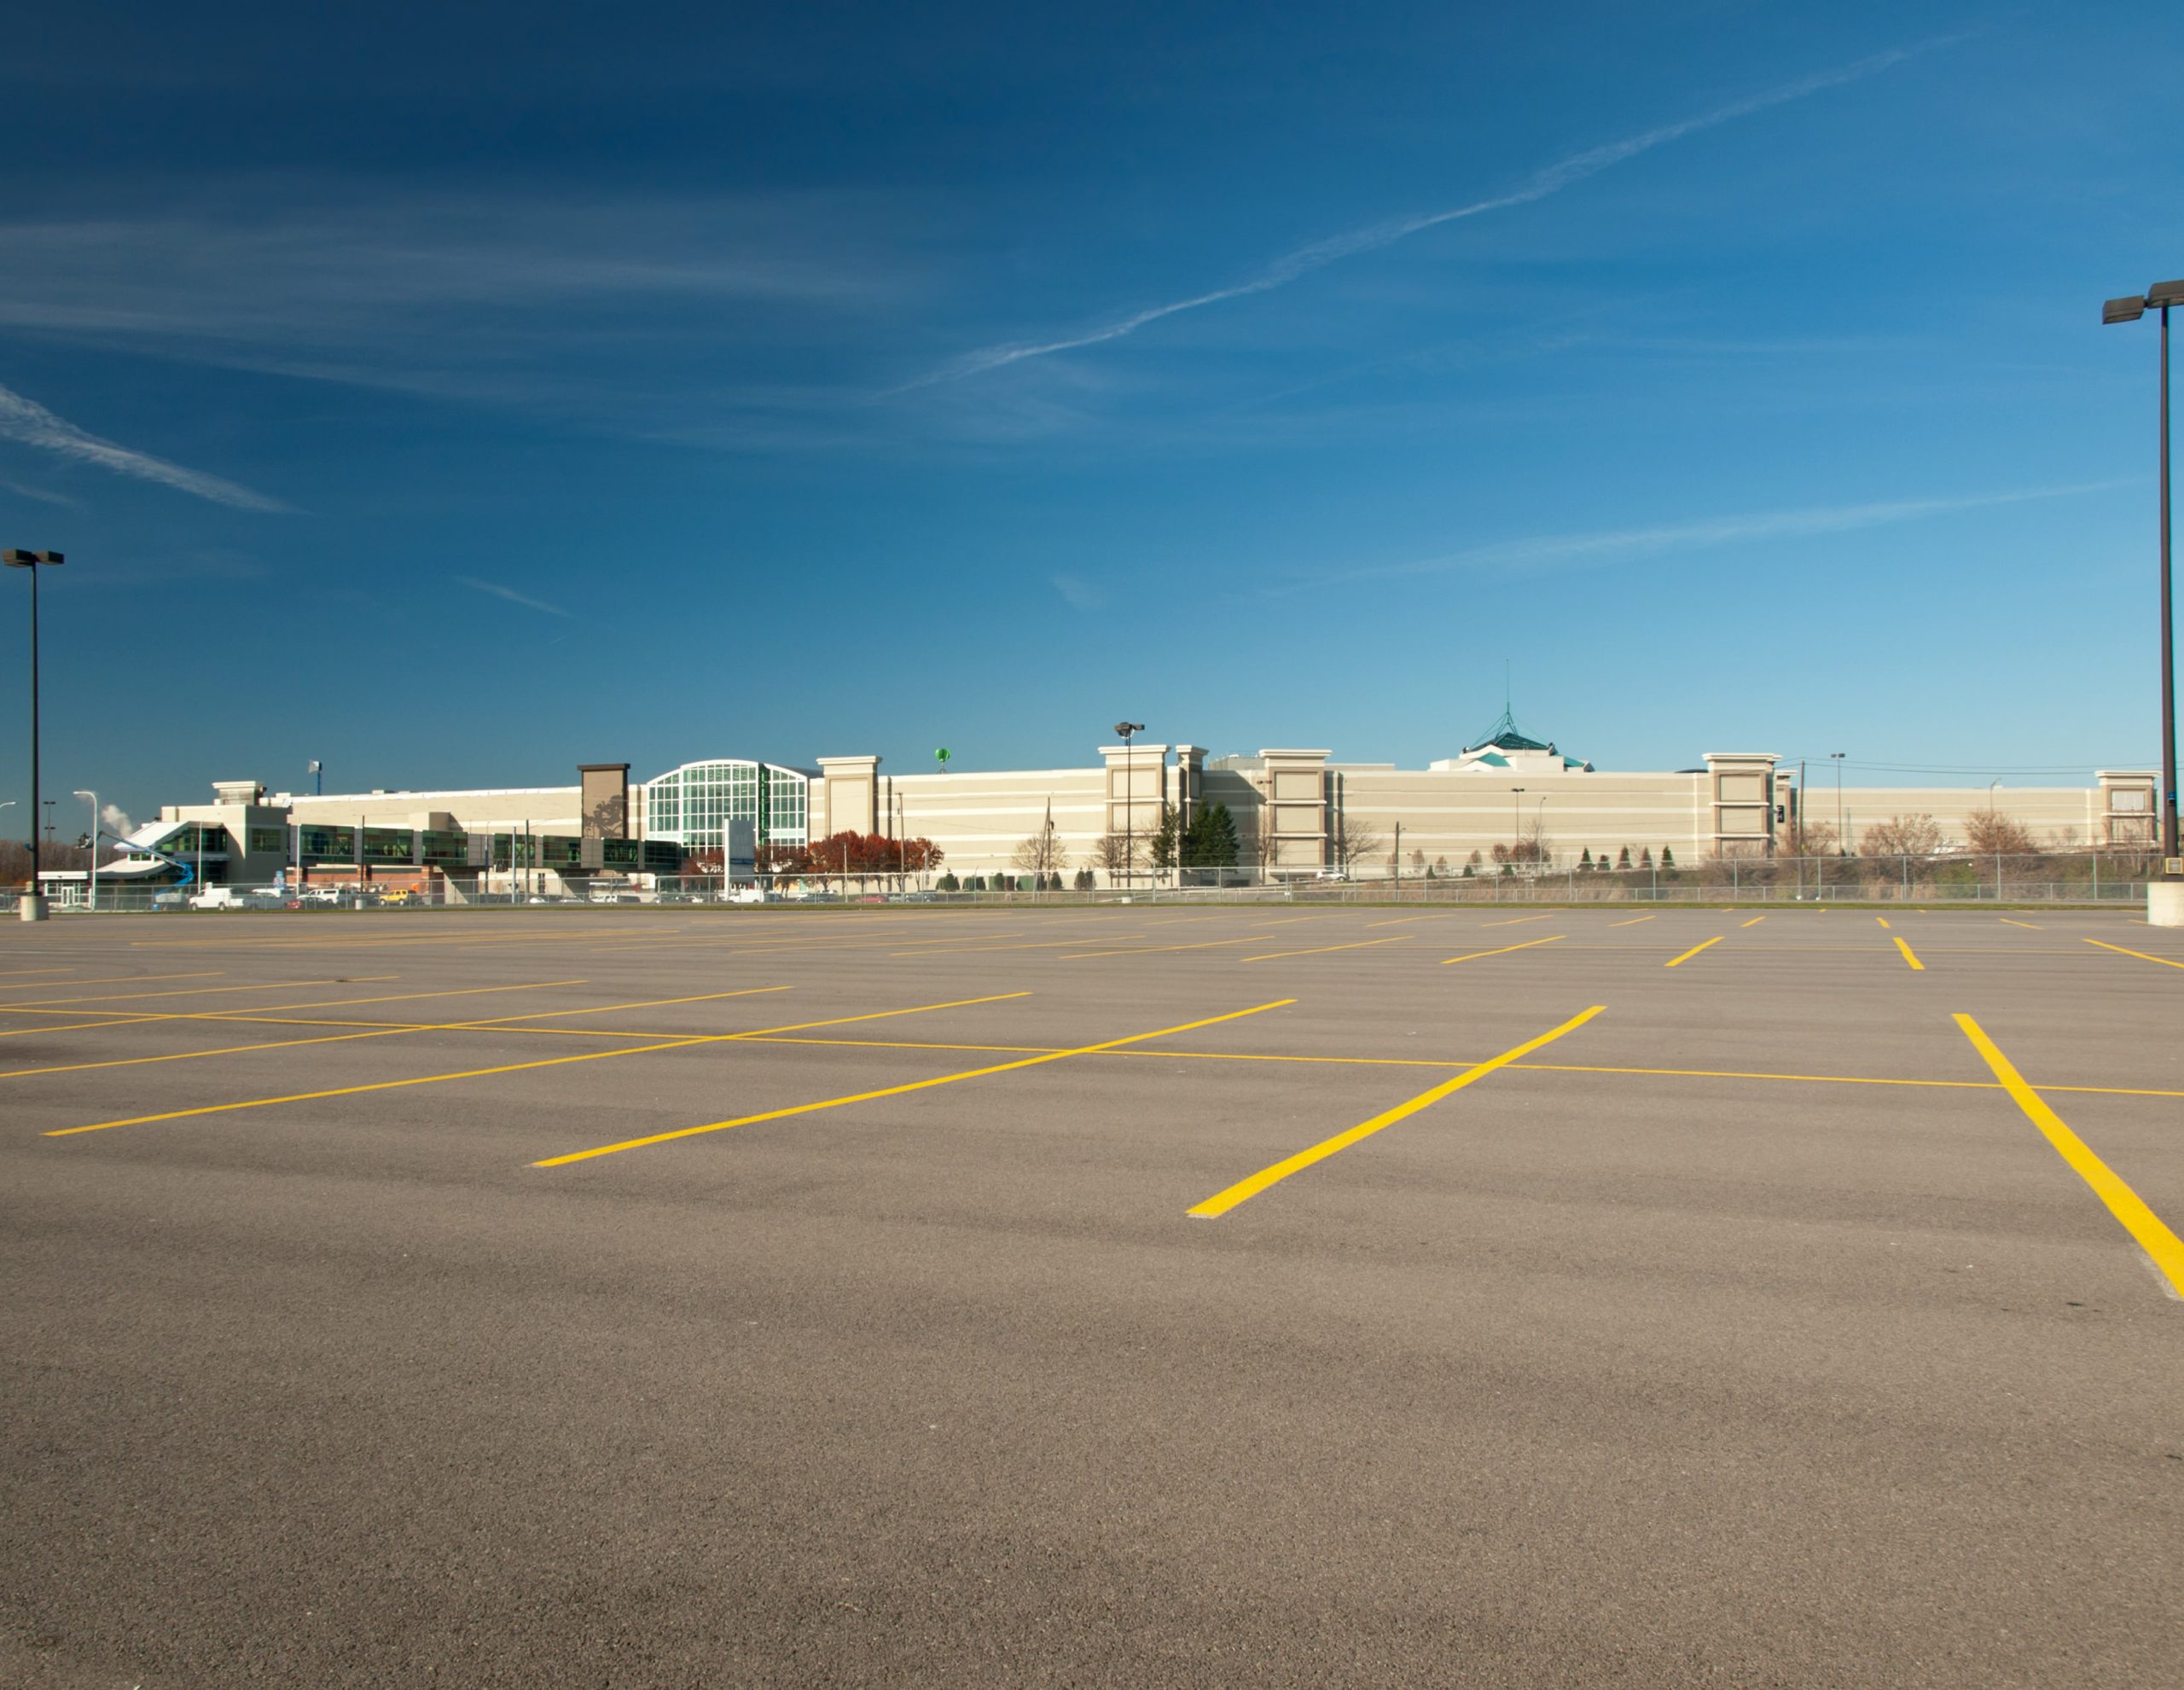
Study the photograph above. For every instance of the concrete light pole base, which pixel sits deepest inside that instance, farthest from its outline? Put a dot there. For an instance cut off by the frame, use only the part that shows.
(33, 906)
(2165, 904)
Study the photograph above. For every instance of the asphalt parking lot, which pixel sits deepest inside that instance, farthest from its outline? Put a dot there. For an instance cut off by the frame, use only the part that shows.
(1123, 1296)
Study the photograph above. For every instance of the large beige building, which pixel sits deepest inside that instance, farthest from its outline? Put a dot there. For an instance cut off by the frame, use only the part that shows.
(1299, 812)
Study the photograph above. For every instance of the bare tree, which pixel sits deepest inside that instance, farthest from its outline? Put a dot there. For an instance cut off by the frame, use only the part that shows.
(1119, 853)
(1803, 838)
(1351, 838)
(1255, 842)
(1042, 854)
(1918, 835)
(1991, 834)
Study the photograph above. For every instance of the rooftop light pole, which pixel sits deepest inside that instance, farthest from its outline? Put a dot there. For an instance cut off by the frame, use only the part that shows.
(2161, 296)
(1129, 798)
(33, 906)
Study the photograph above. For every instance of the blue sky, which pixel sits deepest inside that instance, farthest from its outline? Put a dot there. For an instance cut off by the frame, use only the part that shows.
(455, 394)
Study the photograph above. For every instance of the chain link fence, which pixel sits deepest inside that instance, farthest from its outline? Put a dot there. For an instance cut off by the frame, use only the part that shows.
(2077, 878)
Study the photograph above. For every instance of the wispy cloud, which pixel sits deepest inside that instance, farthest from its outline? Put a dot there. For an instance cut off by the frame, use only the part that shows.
(32, 425)
(1538, 186)
(1622, 545)
(1076, 592)
(510, 594)
(44, 496)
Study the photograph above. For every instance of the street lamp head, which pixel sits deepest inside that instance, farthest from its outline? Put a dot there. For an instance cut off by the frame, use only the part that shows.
(1126, 728)
(2129, 309)
(2164, 294)
(18, 560)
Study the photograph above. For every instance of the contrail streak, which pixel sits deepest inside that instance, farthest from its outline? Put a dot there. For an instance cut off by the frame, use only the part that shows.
(1305, 259)
(1744, 528)
(33, 425)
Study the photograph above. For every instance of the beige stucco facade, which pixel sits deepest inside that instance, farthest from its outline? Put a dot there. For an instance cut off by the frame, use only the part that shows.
(1301, 812)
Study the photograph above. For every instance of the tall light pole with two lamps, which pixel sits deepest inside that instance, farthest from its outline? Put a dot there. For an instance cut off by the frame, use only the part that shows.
(1129, 799)
(33, 905)
(2164, 896)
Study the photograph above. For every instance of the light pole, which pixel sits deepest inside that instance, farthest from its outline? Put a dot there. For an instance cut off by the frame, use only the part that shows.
(1842, 844)
(1516, 819)
(1129, 799)
(33, 903)
(2161, 296)
(1994, 815)
(94, 799)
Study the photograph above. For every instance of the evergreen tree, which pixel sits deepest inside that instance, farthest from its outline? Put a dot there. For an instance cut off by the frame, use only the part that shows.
(1086, 880)
(1668, 857)
(1166, 847)
(1585, 860)
(1622, 861)
(948, 883)
(1218, 844)
(1645, 856)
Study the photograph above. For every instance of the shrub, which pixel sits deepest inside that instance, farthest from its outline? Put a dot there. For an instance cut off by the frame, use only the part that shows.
(948, 883)
(1086, 880)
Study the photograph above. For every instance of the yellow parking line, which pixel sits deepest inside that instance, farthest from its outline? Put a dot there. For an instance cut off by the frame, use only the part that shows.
(187, 991)
(2154, 1237)
(2007, 922)
(1503, 950)
(1515, 921)
(1908, 957)
(264, 1011)
(897, 1091)
(1632, 923)
(1320, 950)
(2165, 961)
(1444, 1065)
(1678, 961)
(1754, 922)
(497, 1021)
(1148, 950)
(121, 980)
(515, 1067)
(1244, 1190)
(1883, 919)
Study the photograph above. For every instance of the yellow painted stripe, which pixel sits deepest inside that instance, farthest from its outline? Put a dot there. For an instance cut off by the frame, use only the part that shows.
(1632, 923)
(1908, 957)
(1754, 922)
(1503, 950)
(516, 1067)
(2165, 961)
(1678, 961)
(120, 979)
(1465, 1062)
(2141, 1223)
(1321, 949)
(498, 1021)
(1244, 1190)
(1148, 950)
(266, 1013)
(194, 992)
(1883, 919)
(2007, 922)
(897, 1091)
(1513, 920)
